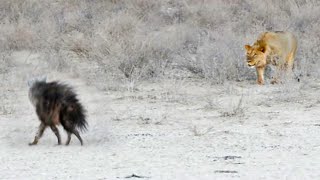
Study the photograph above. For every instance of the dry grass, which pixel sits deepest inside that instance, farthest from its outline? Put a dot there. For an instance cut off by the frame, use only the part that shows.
(235, 110)
(143, 39)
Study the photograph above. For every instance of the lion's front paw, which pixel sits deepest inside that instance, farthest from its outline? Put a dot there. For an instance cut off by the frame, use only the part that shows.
(260, 82)
(274, 81)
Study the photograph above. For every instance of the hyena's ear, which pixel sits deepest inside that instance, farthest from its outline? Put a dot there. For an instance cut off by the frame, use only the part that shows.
(30, 82)
(42, 78)
(37, 79)
(247, 47)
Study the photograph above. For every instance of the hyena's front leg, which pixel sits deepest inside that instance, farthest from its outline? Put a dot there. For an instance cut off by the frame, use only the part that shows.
(41, 129)
(56, 132)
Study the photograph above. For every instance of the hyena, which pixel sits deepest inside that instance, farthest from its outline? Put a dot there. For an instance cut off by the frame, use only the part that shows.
(56, 103)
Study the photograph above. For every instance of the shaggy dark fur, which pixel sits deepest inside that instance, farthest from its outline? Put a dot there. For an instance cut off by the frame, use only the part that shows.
(55, 104)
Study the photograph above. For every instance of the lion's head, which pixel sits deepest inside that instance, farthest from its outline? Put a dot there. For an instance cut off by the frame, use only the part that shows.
(256, 55)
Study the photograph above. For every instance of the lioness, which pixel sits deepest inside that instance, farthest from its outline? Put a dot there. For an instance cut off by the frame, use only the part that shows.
(276, 48)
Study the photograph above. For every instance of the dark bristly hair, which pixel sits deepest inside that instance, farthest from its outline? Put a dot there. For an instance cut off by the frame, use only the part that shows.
(57, 103)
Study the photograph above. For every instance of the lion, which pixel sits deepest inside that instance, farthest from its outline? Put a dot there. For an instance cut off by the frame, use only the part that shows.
(277, 48)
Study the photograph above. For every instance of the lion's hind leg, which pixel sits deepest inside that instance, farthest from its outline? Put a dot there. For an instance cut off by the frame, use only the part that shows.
(289, 66)
(278, 76)
(290, 62)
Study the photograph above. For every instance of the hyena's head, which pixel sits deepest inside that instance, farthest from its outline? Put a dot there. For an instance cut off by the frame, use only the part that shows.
(35, 89)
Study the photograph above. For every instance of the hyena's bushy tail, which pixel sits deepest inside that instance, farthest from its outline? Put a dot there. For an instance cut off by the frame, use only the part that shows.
(75, 112)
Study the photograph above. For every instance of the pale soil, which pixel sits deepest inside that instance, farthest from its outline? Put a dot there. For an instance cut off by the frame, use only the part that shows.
(169, 129)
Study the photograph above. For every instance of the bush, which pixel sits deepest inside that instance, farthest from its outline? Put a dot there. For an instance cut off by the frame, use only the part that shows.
(151, 38)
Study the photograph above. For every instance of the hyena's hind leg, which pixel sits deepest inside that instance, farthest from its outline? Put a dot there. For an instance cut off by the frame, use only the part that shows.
(69, 138)
(56, 132)
(41, 129)
(75, 132)
(71, 129)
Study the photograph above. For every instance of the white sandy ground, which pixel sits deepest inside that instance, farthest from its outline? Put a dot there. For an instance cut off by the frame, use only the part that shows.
(167, 130)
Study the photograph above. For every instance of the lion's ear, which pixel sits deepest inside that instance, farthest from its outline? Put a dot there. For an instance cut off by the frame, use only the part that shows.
(247, 47)
(262, 49)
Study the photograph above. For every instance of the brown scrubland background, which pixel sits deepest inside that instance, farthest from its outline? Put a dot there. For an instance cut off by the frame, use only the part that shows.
(136, 40)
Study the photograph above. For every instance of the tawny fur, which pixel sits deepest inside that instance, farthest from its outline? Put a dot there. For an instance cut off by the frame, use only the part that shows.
(276, 48)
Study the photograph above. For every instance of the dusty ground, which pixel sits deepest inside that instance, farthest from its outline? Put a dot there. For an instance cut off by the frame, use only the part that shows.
(169, 129)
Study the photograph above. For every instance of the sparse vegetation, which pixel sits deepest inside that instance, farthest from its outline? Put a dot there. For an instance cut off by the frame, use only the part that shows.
(197, 132)
(234, 109)
(143, 39)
